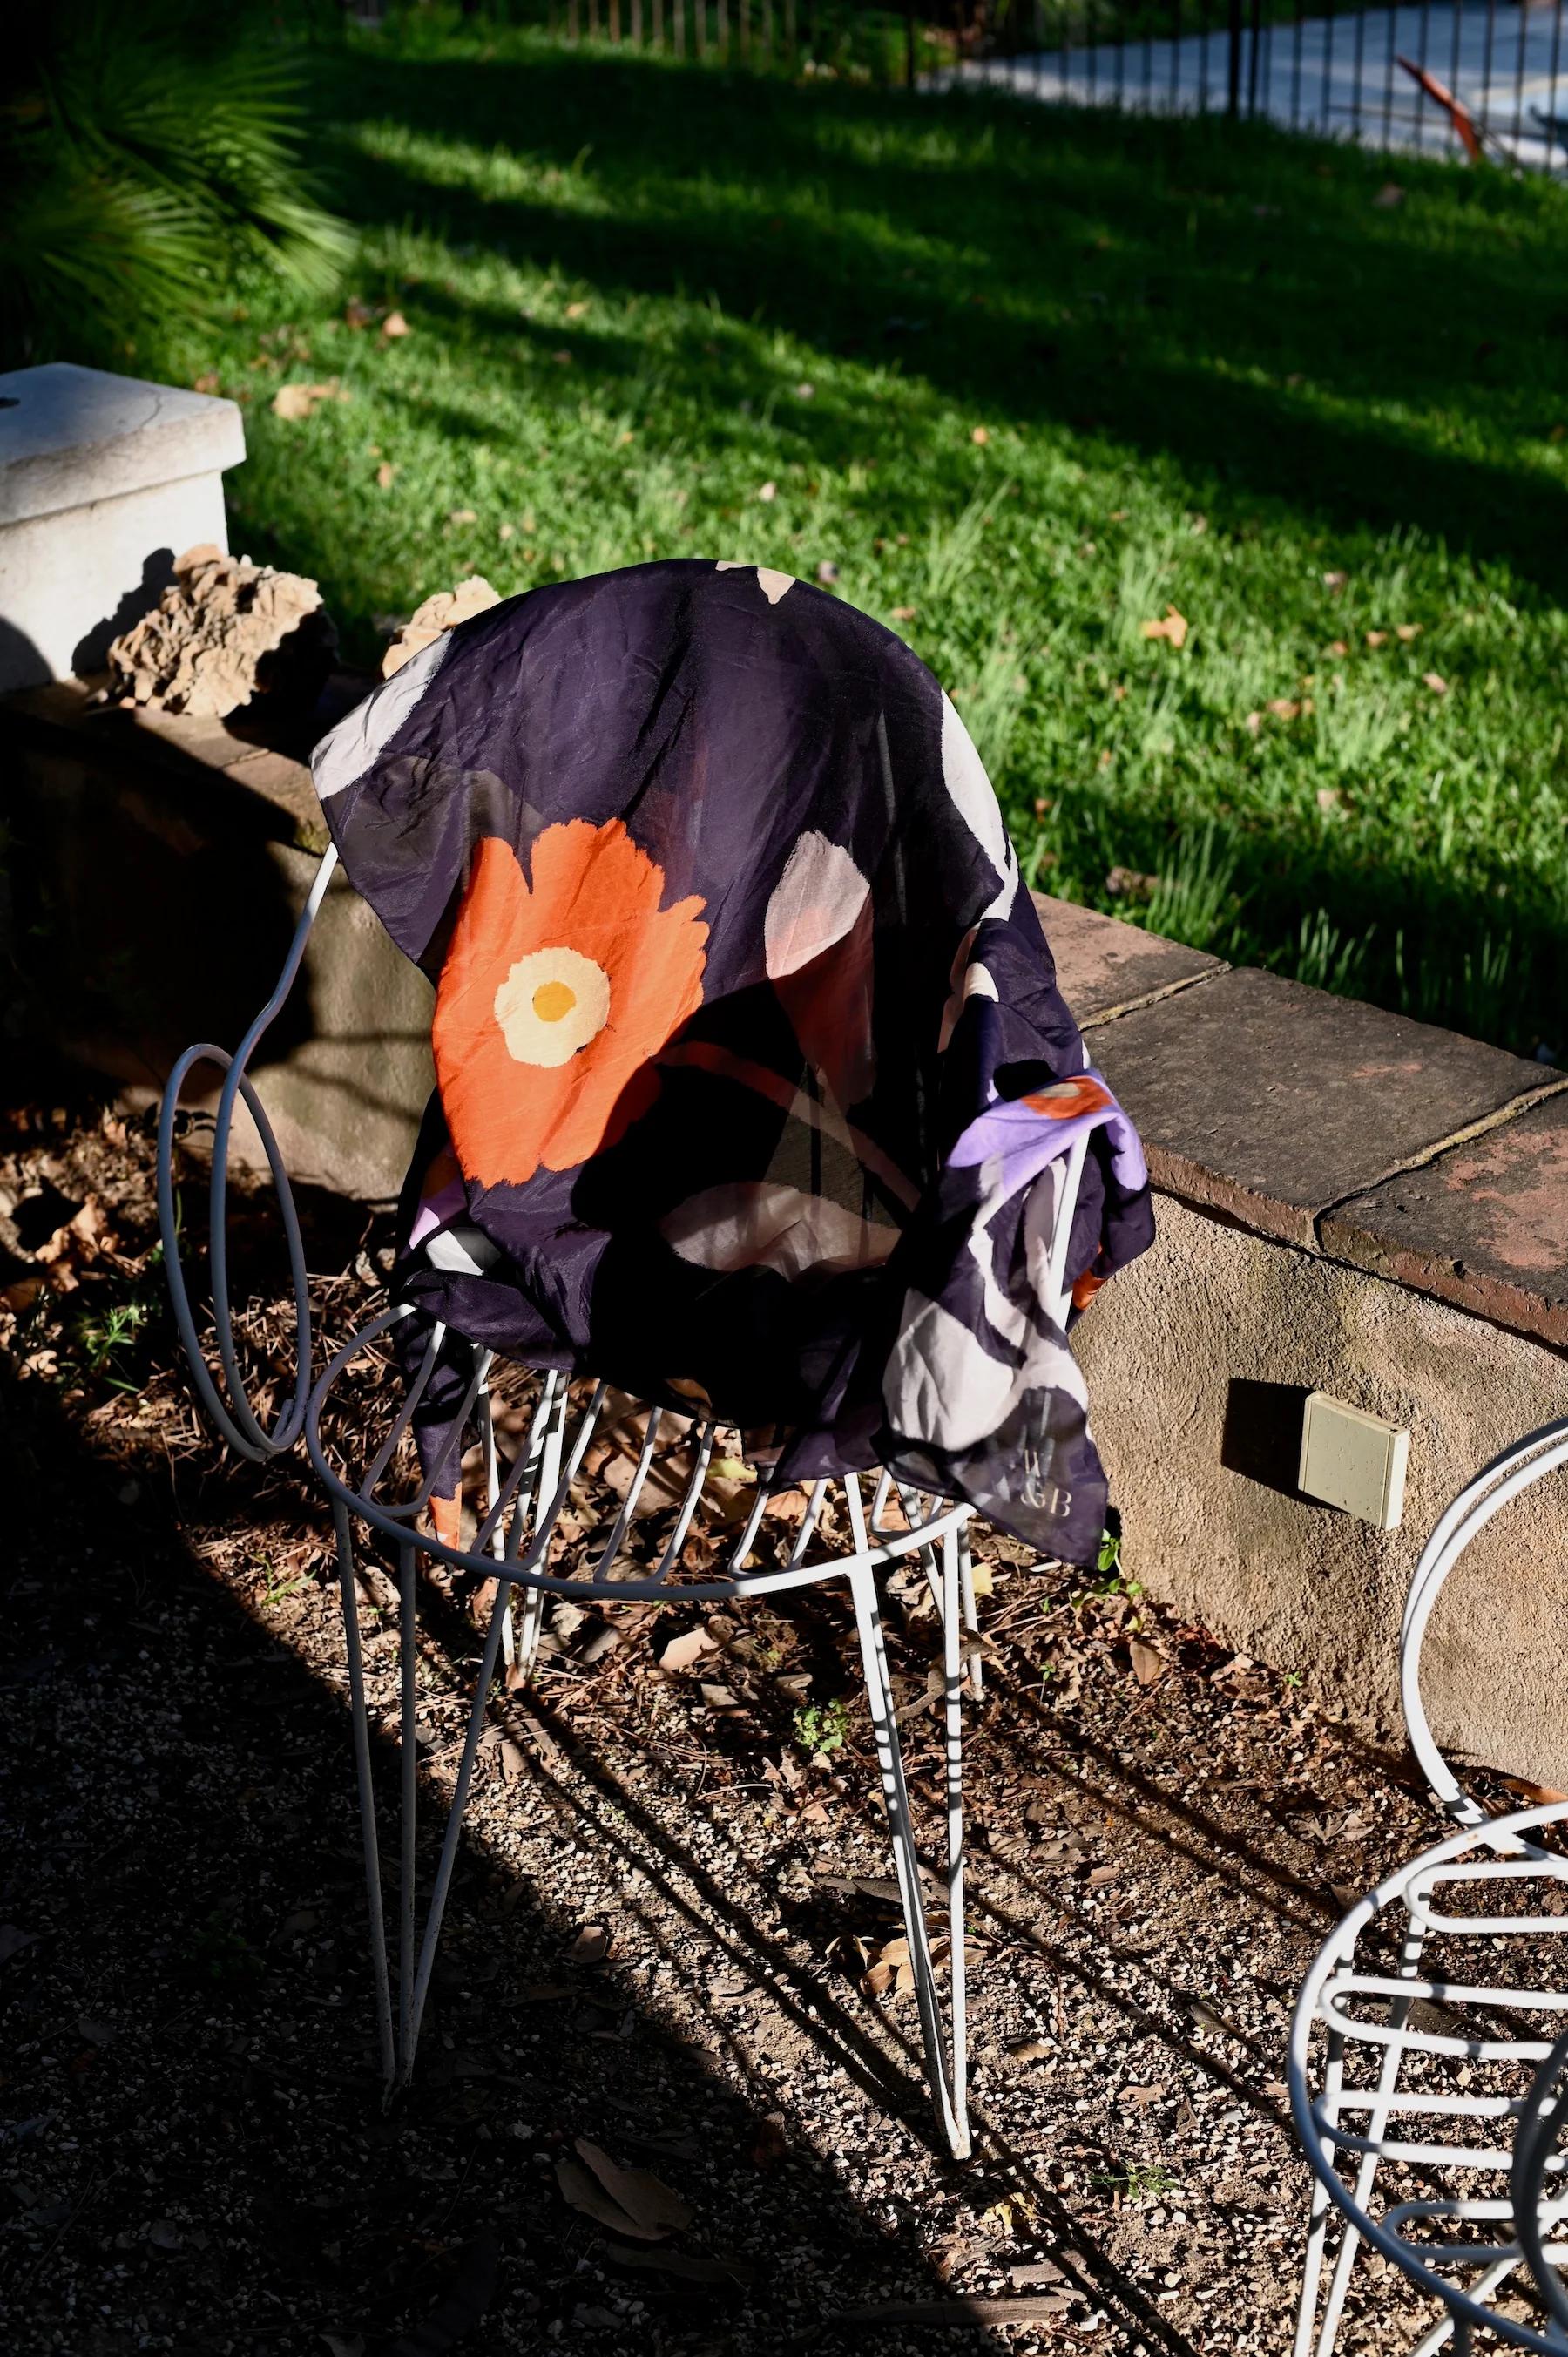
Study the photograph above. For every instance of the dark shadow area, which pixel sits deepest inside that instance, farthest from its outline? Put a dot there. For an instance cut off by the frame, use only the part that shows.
(1261, 1435)
(192, 2094)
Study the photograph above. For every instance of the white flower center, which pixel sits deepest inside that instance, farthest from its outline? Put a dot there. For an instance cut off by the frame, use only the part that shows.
(551, 1003)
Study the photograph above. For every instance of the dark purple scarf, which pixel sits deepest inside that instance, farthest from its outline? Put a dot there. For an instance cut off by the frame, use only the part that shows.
(755, 1085)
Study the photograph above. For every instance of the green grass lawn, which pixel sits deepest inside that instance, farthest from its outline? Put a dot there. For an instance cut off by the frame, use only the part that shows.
(1028, 379)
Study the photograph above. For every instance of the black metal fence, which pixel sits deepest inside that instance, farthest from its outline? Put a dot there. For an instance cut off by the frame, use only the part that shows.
(1438, 77)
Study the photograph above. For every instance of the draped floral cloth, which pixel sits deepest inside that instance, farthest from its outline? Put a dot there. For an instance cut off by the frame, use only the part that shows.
(754, 1088)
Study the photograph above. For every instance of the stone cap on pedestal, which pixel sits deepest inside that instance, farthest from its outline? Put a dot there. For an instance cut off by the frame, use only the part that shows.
(70, 435)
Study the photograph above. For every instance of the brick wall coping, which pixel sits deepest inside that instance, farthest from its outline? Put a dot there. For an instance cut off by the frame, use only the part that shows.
(1381, 1143)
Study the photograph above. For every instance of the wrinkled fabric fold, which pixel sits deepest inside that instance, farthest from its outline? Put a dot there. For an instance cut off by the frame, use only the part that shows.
(754, 1088)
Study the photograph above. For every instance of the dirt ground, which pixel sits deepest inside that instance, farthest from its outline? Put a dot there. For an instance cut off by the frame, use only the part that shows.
(667, 1932)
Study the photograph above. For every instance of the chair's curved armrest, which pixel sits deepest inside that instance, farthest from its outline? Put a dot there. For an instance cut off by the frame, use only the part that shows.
(235, 1418)
(1529, 1460)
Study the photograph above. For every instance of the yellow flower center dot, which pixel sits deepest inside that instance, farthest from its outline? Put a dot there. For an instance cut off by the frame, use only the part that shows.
(552, 1000)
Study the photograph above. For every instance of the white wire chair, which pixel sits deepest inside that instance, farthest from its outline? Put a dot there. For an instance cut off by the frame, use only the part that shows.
(518, 1545)
(1359, 2049)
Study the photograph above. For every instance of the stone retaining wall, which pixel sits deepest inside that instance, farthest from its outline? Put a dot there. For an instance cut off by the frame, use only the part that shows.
(1351, 1201)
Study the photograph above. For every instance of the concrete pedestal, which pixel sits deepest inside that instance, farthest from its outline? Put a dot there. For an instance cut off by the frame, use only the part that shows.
(103, 481)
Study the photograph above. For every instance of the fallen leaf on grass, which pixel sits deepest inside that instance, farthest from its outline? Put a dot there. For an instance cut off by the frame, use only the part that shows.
(768, 491)
(357, 314)
(384, 474)
(576, 310)
(1435, 682)
(394, 324)
(1390, 195)
(1290, 707)
(463, 515)
(981, 435)
(631, 2202)
(207, 382)
(1337, 647)
(1377, 638)
(296, 401)
(904, 613)
(1173, 629)
(1335, 582)
(1407, 630)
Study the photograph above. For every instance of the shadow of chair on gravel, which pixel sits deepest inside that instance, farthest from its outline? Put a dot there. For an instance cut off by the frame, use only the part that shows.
(210, 2150)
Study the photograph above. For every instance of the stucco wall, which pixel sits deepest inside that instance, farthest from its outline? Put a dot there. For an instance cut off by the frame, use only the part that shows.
(1198, 1358)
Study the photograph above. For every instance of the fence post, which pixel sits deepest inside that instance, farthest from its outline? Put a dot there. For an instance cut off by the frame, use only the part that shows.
(1233, 63)
(909, 44)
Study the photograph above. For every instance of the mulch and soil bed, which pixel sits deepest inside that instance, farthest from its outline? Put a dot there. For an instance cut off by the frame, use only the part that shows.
(669, 2095)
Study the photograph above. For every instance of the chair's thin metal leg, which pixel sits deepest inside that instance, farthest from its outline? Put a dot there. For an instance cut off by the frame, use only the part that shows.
(1377, 2123)
(971, 1613)
(533, 1614)
(492, 1493)
(1317, 2219)
(953, 1558)
(498, 1619)
(367, 1790)
(409, 1757)
(905, 1860)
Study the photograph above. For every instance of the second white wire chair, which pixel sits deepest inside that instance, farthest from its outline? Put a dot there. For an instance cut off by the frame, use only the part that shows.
(518, 1545)
(1416, 2070)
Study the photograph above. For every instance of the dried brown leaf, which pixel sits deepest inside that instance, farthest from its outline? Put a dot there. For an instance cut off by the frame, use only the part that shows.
(651, 2207)
(681, 1652)
(1173, 629)
(1149, 1662)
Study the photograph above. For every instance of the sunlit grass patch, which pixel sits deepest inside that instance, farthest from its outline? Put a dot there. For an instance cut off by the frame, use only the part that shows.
(1028, 387)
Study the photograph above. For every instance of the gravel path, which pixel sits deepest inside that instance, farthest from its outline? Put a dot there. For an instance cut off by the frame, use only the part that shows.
(663, 1916)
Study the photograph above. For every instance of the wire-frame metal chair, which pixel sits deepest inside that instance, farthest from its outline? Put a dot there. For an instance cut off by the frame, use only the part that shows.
(1365, 2060)
(516, 1544)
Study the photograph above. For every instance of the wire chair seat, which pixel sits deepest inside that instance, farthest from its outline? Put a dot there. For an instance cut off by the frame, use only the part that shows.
(1425, 2095)
(1356, 2012)
(516, 1544)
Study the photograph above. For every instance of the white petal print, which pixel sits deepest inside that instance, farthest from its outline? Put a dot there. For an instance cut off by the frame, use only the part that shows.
(345, 752)
(773, 585)
(815, 903)
(963, 774)
(940, 1385)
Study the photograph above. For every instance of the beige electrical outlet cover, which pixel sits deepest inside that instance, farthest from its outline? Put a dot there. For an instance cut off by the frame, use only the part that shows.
(1353, 1460)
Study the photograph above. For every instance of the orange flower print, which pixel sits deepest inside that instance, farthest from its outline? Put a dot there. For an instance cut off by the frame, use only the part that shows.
(557, 993)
